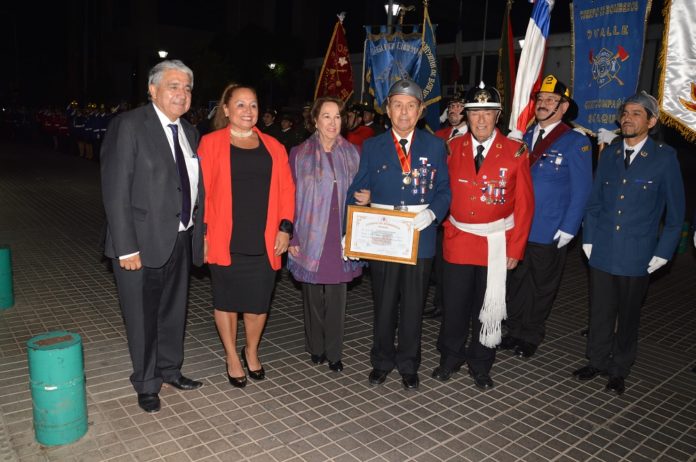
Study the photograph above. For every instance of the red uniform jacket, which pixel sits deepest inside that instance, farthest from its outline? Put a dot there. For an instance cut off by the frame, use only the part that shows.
(214, 153)
(502, 187)
(359, 134)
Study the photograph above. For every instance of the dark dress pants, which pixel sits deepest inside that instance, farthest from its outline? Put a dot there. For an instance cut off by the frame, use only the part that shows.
(615, 303)
(153, 303)
(464, 287)
(399, 293)
(532, 289)
(324, 319)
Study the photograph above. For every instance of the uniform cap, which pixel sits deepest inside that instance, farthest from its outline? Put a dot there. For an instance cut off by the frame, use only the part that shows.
(551, 84)
(644, 99)
(406, 87)
(482, 97)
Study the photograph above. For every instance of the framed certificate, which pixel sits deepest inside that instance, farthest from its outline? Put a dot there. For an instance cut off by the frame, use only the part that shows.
(378, 234)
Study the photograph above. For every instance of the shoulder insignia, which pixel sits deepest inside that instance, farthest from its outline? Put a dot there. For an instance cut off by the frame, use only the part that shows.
(585, 148)
(522, 150)
(498, 145)
(644, 153)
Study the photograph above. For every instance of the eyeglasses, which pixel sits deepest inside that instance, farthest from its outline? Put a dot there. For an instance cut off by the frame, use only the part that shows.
(545, 100)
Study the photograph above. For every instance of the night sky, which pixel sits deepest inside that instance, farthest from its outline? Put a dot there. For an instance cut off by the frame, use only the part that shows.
(42, 52)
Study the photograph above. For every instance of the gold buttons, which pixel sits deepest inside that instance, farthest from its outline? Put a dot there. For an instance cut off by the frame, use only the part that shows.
(621, 196)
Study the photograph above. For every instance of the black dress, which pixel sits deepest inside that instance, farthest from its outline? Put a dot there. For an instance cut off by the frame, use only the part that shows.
(247, 284)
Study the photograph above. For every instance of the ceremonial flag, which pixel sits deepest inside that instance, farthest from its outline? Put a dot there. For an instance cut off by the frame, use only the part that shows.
(530, 68)
(506, 64)
(678, 79)
(390, 58)
(336, 76)
(608, 38)
(428, 76)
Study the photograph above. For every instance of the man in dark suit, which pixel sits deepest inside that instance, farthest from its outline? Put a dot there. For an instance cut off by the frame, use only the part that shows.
(153, 197)
(404, 169)
(637, 182)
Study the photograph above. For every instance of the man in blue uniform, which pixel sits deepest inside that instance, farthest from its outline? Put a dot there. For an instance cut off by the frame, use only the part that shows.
(637, 182)
(561, 168)
(404, 169)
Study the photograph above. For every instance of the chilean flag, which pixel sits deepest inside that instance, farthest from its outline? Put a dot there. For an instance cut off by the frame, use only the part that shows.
(529, 71)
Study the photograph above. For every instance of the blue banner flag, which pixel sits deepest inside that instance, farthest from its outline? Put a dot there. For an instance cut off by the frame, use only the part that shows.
(428, 76)
(389, 58)
(608, 38)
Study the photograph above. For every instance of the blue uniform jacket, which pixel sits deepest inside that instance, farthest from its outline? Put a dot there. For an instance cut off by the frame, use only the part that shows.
(380, 172)
(562, 180)
(622, 220)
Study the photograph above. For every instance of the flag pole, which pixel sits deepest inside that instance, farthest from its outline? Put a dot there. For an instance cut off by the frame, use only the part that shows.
(362, 84)
(483, 46)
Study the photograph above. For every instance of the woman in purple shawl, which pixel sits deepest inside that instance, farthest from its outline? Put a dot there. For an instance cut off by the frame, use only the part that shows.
(323, 167)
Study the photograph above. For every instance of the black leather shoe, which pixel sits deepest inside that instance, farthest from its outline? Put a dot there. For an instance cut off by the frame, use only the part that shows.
(337, 366)
(525, 349)
(616, 384)
(588, 372)
(410, 381)
(378, 376)
(237, 382)
(183, 383)
(318, 359)
(258, 374)
(443, 374)
(508, 343)
(433, 313)
(482, 380)
(149, 402)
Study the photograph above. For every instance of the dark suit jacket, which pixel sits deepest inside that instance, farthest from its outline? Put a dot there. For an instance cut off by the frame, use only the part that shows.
(141, 189)
(380, 172)
(626, 207)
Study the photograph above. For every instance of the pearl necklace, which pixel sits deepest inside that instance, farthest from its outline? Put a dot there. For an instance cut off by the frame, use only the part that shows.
(246, 134)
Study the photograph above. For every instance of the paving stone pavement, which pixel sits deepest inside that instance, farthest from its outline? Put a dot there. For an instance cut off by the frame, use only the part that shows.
(51, 217)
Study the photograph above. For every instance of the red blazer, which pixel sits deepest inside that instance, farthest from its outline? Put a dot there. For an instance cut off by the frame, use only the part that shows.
(358, 135)
(506, 160)
(214, 153)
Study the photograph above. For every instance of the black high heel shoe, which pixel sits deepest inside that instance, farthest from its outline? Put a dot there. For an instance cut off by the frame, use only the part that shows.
(259, 374)
(238, 382)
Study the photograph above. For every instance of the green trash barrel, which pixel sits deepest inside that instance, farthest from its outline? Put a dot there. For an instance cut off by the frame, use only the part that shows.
(6, 294)
(57, 381)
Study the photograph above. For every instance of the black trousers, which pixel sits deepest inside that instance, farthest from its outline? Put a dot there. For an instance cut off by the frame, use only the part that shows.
(464, 287)
(615, 303)
(153, 304)
(531, 290)
(399, 293)
(324, 318)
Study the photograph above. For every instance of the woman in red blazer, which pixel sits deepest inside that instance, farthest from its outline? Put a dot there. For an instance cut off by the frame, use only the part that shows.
(250, 203)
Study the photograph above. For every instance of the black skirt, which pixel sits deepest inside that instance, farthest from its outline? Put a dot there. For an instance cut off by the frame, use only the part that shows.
(246, 286)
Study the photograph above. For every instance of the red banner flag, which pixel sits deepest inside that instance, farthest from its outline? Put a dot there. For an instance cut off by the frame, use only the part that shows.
(336, 76)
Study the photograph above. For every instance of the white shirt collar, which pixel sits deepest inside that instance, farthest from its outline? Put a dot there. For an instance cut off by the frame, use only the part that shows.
(547, 129)
(408, 137)
(636, 149)
(486, 144)
(164, 120)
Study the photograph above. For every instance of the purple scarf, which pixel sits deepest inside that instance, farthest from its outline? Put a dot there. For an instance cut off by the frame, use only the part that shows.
(314, 188)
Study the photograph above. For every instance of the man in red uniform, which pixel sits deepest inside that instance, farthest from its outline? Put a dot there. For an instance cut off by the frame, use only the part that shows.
(357, 132)
(456, 119)
(485, 236)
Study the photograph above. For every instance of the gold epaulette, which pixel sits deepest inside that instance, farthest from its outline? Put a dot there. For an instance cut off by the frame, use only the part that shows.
(522, 150)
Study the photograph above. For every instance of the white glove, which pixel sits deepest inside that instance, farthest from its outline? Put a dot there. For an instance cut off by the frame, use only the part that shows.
(443, 116)
(605, 136)
(656, 263)
(423, 219)
(563, 238)
(343, 250)
(515, 135)
(587, 248)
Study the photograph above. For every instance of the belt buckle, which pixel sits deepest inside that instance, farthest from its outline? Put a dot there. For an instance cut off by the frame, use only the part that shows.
(401, 208)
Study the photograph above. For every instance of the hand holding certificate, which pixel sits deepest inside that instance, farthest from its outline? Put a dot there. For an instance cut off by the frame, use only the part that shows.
(379, 234)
